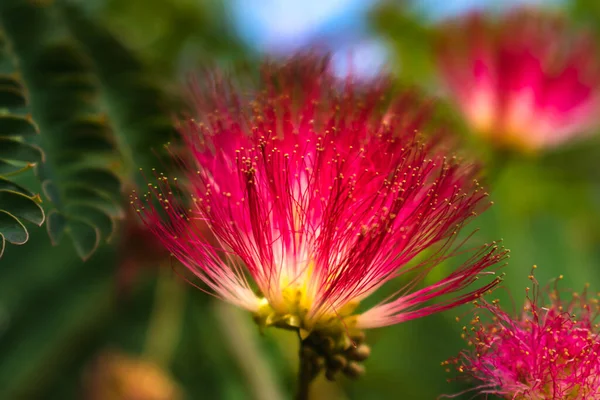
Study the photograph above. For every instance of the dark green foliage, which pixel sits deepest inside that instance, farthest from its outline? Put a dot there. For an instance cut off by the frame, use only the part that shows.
(81, 151)
(410, 42)
(17, 204)
(136, 99)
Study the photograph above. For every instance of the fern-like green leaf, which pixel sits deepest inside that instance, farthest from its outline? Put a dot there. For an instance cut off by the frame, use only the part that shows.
(81, 153)
(136, 100)
(17, 204)
(82, 146)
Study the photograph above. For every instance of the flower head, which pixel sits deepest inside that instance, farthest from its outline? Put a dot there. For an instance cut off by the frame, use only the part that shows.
(549, 352)
(317, 194)
(526, 81)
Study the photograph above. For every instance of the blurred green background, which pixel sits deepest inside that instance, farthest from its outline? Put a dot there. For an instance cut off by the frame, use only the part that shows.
(128, 60)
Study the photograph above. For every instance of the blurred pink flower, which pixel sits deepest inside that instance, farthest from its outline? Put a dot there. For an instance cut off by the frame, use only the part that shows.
(526, 81)
(549, 352)
(320, 195)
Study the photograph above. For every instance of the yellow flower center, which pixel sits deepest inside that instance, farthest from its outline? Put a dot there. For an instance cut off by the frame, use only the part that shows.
(294, 311)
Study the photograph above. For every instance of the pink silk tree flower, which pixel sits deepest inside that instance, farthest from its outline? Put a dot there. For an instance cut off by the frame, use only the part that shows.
(550, 351)
(316, 194)
(525, 81)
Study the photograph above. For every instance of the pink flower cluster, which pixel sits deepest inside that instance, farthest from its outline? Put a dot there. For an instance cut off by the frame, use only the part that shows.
(316, 193)
(549, 352)
(526, 80)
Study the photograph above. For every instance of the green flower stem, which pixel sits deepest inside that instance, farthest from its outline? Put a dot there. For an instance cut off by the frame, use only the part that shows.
(239, 335)
(164, 330)
(307, 372)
